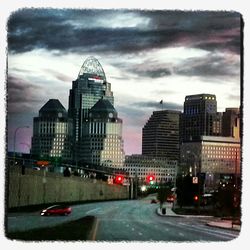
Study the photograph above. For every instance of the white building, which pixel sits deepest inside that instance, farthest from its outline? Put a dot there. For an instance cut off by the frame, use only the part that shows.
(141, 166)
(214, 156)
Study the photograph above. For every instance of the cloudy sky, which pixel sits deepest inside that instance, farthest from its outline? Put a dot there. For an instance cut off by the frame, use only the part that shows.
(147, 56)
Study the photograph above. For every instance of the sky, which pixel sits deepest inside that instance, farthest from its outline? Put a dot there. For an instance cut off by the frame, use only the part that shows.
(147, 56)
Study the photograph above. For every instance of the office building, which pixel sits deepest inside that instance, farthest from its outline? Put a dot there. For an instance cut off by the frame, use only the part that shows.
(200, 117)
(160, 135)
(51, 132)
(89, 87)
(90, 96)
(231, 123)
(141, 166)
(217, 157)
(102, 142)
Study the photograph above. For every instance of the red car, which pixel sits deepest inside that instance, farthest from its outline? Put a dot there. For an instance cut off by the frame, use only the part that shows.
(57, 210)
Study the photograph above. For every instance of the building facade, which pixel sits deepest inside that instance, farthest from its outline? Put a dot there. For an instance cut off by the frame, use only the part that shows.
(231, 123)
(96, 135)
(141, 166)
(217, 158)
(102, 142)
(89, 87)
(52, 132)
(200, 117)
(160, 135)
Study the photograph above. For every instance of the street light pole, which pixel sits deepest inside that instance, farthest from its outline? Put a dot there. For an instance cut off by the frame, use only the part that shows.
(15, 133)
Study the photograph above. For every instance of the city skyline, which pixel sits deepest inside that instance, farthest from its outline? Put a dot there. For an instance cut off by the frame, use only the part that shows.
(147, 56)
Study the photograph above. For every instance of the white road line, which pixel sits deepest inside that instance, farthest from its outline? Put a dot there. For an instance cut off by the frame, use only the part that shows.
(213, 231)
(93, 210)
(182, 224)
(221, 234)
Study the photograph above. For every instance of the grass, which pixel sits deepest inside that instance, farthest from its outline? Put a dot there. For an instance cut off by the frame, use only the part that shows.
(70, 231)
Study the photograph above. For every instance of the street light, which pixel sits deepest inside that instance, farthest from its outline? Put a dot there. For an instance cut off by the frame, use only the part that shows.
(15, 133)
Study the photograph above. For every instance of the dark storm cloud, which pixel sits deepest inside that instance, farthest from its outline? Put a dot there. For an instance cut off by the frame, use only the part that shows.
(83, 30)
(22, 95)
(210, 65)
(152, 73)
(206, 30)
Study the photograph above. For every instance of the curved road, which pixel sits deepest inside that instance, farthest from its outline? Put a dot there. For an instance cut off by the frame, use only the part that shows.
(130, 220)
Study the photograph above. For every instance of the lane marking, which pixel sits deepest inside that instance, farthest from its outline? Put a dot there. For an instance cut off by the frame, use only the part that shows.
(93, 210)
(95, 230)
(219, 234)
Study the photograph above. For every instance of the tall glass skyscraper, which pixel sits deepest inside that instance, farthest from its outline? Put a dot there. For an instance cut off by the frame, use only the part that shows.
(200, 117)
(89, 87)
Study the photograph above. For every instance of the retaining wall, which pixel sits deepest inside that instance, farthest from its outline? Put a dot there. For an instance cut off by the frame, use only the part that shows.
(39, 187)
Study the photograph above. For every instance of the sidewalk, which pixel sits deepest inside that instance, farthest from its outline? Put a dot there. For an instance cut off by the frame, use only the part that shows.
(227, 224)
(216, 222)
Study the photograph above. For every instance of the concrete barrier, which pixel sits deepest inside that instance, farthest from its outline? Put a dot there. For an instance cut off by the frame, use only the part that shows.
(39, 187)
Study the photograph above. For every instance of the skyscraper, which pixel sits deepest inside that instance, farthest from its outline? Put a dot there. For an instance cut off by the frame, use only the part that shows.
(102, 142)
(200, 117)
(51, 132)
(160, 135)
(90, 108)
(90, 86)
(231, 122)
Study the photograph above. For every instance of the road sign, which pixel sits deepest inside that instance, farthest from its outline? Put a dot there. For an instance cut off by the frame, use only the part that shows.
(195, 180)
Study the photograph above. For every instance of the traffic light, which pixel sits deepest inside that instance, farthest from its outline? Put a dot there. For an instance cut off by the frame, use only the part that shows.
(119, 179)
(150, 179)
(196, 198)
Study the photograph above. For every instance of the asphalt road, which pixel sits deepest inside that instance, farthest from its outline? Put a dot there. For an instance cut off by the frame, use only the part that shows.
(130, 220)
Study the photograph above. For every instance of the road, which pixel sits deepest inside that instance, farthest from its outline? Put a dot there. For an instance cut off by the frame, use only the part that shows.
(130, 220)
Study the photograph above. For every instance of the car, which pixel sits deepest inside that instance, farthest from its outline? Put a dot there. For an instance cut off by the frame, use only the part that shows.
(36, 168)
(56, 210)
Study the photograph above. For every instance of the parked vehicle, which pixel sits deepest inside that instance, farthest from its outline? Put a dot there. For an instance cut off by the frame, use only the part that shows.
(57, 210)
